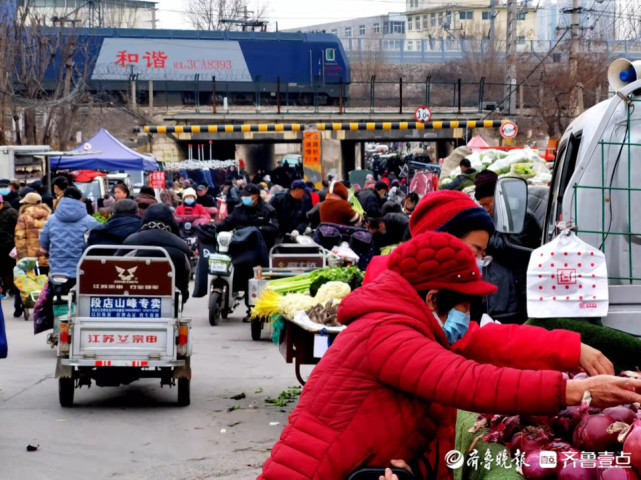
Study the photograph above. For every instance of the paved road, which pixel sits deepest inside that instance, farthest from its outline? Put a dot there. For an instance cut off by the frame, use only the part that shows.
(137, 431)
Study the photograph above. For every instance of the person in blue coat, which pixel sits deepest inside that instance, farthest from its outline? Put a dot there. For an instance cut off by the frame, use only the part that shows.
(63, 236)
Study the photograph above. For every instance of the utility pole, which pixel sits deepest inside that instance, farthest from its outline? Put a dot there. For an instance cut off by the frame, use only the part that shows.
(574, 39)
(510, 71)
(245, 17)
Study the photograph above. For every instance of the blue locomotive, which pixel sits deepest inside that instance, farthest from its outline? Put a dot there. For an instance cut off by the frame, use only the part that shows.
(187, 66)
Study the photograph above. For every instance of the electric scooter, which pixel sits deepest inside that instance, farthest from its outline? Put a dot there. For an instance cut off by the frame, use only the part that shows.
(222, 299)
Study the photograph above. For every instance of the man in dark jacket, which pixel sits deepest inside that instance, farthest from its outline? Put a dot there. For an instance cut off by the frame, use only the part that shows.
(464, 179)
(204, 198)
(322, 193)
(232, 197)
(124, 222)
(388, 230)
(40, 188)
(253, 212)
(372, 200)
(159, 229)
(8, 221)
(508, 269)
(9, 193)
(291, 209)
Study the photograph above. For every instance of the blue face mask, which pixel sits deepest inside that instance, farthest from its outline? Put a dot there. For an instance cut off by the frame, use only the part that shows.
(248, 201)
(456, 325)
(5, 191)
(190, 201)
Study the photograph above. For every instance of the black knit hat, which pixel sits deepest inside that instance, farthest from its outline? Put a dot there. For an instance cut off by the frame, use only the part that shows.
(159, 213)
(485, 183)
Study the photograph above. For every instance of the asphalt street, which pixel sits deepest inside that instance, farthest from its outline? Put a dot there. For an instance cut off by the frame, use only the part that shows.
(137, 431)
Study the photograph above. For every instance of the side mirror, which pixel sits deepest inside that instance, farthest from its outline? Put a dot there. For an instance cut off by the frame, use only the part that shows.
(510, 205)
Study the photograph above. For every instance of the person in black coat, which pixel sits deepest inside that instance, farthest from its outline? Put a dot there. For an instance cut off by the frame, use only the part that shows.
(291, 209)
(508, 268)
(372, 200)
(124, 222)
(390, 229)
(253, 212)
(40, 188)
(159, 229)
(9, 193)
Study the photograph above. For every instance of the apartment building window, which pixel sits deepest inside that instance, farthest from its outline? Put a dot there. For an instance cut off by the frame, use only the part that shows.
(417, 21)
(466, 15)
(377, 28)
(335, 31)
(522, 15)
(385, 28)
(485, 15)
(392, 45)
(432, 19)
(440, 19)
(398, 27)
(448, 17)
(425, 22)
(410, 45)
(348, 31)
(361, 30)
(521, 40)
(409, 24)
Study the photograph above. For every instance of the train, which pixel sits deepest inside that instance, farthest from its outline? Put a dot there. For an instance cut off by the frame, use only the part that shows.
(188, 66)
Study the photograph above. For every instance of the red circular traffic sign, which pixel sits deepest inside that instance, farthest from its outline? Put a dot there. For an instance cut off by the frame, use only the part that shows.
(423, 114)
(509, 130)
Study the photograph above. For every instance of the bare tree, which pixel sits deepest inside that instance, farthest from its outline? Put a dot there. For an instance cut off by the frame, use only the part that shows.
(209, 14)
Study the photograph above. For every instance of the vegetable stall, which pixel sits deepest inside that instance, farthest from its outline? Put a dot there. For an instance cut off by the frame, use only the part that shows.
(302, 312)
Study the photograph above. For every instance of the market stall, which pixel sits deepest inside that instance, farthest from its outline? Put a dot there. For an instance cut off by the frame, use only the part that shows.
(302, 312)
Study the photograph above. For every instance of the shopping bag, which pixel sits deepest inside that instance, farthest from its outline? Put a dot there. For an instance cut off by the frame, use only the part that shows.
(222, 212)
(3, 337)
(567, 278)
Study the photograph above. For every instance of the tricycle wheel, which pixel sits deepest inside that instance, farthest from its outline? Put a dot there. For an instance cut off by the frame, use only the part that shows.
(214, 308)
(66, 386)
(184, 398)
(257, 327)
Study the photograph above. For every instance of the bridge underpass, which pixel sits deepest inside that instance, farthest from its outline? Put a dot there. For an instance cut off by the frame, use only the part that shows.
(342, 144)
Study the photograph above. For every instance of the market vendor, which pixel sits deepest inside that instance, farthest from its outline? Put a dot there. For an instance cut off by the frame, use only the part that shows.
(410, 356)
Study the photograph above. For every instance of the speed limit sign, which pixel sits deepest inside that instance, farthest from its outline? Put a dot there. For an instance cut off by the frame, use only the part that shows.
(509, 130)
(423, 114)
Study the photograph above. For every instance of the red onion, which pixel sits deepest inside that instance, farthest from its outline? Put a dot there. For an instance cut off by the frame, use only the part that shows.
(512, 425)
(558, 445)
(591, 434)
(532, 469)
(528, 440)
(620, 413)
(574, 471)
(632, 444)
(616, 474)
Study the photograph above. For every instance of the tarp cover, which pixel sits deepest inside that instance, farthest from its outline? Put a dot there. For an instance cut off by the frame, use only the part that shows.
(110, 154)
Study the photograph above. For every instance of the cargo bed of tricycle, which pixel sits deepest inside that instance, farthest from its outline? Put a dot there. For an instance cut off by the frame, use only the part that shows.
(126, 323)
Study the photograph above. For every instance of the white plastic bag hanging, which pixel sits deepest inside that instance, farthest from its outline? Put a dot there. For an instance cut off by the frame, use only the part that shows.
(567, 278)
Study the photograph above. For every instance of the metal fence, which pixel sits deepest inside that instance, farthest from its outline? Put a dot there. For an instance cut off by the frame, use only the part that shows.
(373, 96)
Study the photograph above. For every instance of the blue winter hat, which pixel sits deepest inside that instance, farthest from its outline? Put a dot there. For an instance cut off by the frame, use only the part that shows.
(467, 221)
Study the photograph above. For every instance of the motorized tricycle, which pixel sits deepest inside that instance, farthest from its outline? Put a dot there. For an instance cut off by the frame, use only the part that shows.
(125, 323)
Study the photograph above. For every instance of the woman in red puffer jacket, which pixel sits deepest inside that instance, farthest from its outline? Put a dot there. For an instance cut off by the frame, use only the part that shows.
(409, 357)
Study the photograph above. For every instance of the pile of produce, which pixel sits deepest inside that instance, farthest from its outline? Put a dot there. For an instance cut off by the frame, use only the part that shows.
(328, 296)
(590, 443)
(312, 281)
(523, 162)
(324, 314)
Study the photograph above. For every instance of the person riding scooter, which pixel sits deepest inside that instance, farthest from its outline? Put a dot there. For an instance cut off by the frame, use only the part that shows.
(195, 212)
(252, 212)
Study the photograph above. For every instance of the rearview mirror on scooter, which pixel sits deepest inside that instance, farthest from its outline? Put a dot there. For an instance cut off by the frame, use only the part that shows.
(510, 205)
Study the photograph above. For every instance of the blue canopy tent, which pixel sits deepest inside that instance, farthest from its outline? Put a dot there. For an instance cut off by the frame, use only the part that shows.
(104, 152)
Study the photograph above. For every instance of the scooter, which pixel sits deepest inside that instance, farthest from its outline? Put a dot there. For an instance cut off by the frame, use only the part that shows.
(187, 229)
(222, 299)
(61, 286)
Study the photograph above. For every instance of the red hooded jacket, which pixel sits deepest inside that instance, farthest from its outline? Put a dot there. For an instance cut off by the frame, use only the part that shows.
(390, 379)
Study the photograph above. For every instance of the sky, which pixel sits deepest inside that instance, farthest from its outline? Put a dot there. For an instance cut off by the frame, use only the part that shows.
(291, 13)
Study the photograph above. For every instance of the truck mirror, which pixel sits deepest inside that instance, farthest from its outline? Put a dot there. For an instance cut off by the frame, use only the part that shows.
(510, 205)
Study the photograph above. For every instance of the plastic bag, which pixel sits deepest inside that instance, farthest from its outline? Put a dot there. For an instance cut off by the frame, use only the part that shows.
(222, 212)
(567, 278)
